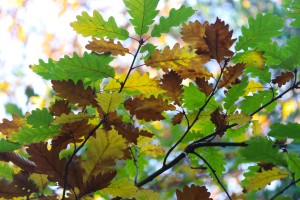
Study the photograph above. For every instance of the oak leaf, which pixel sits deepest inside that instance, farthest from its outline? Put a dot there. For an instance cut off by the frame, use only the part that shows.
(193, 33)
(231, 74)
(256, 127)
(103, 46)
(121, 188)
(193, 193)
(110, 101)
(59, 107)
(149, 108)
(177, 118)
(218, 40)
(171, 82)
(182, 60)
(102, 152)
(253, 87)
(219, 119)
(8, 127)
(251, 59)
(74, 93)
(204, 86)
(238, 118)
(71, 117)
(283, 78)
(143, 194)
(152, 150)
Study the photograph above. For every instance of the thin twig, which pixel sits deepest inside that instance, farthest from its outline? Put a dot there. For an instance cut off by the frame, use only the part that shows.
(214, 173)
(285, 188)
(135, 161)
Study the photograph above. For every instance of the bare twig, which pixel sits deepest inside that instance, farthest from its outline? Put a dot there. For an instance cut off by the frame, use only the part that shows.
(285, 188)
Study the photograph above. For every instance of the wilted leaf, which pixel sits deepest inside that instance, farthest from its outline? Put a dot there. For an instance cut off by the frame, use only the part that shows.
(171, 82)
(74, 93)
(219, 119)
(182, 60)
(102, 46)
(148, 108)
(231, 74)
(283, 78)
(218, 40)
(177, 118)
(193, 193)
(204, 86)
(96, 26)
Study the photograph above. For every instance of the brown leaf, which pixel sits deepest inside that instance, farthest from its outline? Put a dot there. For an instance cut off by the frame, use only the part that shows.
(218, 39)
(19, 187)
(48, 163)
(60, 107)
(171, 82)
(148, 109)
(9, 127)
(204, 86)
(283, 78)
(231, 74)
(265, 166)
(75, 93)
(103, 46)
(219, 119)
(193, 193)
(72, 132)
(193, 33)
(102, 180)
(177, 118)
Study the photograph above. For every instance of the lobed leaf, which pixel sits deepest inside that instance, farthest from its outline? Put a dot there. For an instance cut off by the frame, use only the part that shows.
(231, 74)
(40, 118)
(283, 131)
(110, 102)
(283, 78)
(7, 146)
(193, 98)
(193, 192)
(292, 11)
(102, 46)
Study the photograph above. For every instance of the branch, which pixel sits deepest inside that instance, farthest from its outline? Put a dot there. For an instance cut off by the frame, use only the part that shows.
(284, 189)
(214, 172)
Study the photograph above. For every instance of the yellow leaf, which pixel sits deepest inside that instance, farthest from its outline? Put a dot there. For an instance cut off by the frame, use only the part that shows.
(72, 117)
(136, 82)
(256, 127)
(143, 194)
(260, 180)
(102, 46)
(40, 180)
(182, 60)
(109, 102)
(152, 150)
(253, 87)
(252, 59)
(238, 118)
(288, 107)
(102, 152)
(121, 188)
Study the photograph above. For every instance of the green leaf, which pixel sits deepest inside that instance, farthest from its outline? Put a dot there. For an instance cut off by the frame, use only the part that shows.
(264, 75)
(176, 17)
(252, 171)
(89, 67)
(148, 47)
(28, 135)
(109, 102)
(273, 53)
(292, 11)
(142, 12)
(6, 171)
(262, 149)
(6, 146)
(294, 165)
(234, 93)
(193, 98)
(215, 158)
(260, 30)
(12, 108)
(96, 26)
(283, 131)
(40, 118)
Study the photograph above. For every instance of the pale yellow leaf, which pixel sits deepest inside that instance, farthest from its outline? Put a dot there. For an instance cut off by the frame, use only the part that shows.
(71, 117)
(238, 118)
(251, 59)
(102, 151)
(260, 180)
(136, 82)
(256, 128)
(253, 87)
(152, 150)
(143, 194)
(121, 188)
(109, 102)
(40, 180)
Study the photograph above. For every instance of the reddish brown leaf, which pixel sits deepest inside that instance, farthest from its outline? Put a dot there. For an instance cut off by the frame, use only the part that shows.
(171, 82)
(60, 107)
(193, 33)
(9, 127)
(177, 118)
(102, 180)
(219, 119)
(148, 109)
(265, 166)
(231, 74)
(218, 39)
(193, 193)
(19, 187)
(48, 163)
(283, 78)
(103, 46)
(72, 132)
(75, 93)
(204, 86)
